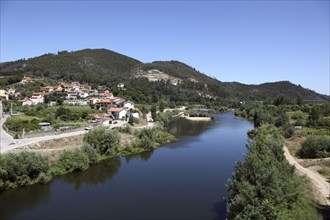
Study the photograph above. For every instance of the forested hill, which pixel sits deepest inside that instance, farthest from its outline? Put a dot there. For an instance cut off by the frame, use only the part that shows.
(105, 67)
(97, 65)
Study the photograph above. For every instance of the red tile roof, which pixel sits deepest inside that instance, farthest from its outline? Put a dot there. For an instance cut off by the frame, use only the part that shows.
(116, 109)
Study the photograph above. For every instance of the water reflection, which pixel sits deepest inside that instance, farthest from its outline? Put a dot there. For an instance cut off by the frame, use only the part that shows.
(97, 174)
(19, 200)
(183, 180)
(145, 156)
(183, 127)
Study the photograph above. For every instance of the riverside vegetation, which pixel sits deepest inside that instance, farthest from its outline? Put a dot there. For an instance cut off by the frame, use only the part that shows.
(265, 186)
(27, 168)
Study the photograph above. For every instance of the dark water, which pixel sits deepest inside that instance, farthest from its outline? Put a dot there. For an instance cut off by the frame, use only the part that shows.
(182, 180)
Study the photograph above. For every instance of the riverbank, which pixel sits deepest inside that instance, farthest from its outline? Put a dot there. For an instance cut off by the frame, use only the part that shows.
(194, 166)
(62, 156)
(197, 118)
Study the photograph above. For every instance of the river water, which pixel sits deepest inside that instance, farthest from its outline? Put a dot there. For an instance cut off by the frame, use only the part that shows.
(182, 180)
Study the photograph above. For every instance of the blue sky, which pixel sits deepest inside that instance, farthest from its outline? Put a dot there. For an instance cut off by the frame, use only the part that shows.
(246, 41)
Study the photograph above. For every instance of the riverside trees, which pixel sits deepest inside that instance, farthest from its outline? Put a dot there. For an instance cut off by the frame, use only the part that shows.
(265, 186)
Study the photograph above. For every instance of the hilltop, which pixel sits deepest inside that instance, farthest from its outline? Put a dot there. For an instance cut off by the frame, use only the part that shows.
(148, 82)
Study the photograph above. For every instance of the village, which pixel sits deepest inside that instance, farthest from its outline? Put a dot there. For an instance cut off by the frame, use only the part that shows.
(112, 111)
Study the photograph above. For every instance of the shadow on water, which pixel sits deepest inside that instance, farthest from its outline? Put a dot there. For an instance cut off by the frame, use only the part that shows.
(97, 174)
(14, 201)
(26, 198)
(145, 156)
(219, 209)
(183, 127)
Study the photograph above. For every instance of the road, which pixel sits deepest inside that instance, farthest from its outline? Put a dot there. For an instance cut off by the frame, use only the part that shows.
(7, 142)
(320, 183)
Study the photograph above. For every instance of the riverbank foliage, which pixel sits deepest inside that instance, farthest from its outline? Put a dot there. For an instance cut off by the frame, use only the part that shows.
(27, 168)
(103, 140)
(265, 186)
(23, 169)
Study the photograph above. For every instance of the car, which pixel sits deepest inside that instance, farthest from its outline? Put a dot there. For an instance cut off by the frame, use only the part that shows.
(115, 122)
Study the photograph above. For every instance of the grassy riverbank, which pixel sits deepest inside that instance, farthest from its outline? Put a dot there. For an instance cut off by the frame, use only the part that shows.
(27, 168)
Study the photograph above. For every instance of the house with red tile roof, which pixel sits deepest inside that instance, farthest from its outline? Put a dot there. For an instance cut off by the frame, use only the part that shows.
(117, 112)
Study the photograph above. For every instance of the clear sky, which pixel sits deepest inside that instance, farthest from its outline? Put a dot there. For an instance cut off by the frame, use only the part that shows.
(245, 41)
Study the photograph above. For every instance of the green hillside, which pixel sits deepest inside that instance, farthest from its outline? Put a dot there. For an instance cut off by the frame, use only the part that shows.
(105, 67)
(97, 65)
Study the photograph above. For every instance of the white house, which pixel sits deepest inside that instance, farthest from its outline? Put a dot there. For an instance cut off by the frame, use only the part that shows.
(25, 102)
(83, 102)
(113, 123)
(71, 102)
(117, 112)
(128, 105)
(72, 95)
(3, 94)
(37, 97)
(26, 80)
(93, 101)
(83, 95)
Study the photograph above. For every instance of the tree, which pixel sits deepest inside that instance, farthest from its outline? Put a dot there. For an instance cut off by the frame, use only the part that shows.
(299, 101)
(153, 111)
(162, 106)
(279, 99)
(314, 115)
(104, 141)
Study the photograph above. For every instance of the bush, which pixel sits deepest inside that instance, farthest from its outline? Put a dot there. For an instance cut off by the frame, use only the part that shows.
(22, 169)
(288, 131)
(91, 153)
(17, 123)
(104, 141)
(315, 146)
(74, 160)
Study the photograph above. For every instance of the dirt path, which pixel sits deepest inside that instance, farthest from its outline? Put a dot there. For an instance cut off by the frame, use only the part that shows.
(321, 186)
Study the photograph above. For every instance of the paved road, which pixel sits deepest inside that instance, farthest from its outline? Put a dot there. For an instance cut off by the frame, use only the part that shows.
(7, 142)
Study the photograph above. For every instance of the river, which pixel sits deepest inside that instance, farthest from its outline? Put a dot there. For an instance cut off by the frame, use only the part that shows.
(182, 180)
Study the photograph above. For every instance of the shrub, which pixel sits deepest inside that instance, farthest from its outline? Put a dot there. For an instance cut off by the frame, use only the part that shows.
(104, 141)
(74, 160)
(21, 169)
(288, 131)
(17, 123)
(91, 153)
(315, 146)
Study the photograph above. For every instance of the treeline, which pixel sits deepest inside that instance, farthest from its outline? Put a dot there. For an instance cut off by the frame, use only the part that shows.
(27, 168)
(265, 186)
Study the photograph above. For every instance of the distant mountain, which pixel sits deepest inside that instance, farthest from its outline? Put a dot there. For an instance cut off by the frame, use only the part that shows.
(105, 67)
(193, 79)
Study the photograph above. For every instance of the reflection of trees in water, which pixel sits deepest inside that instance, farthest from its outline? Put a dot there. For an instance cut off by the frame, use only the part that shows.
(143, 156)
(219, 208)
(184, 127)
(96, 174)
(18, 200)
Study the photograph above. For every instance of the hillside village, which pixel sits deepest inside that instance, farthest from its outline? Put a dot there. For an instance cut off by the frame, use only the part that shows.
(75, 94)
